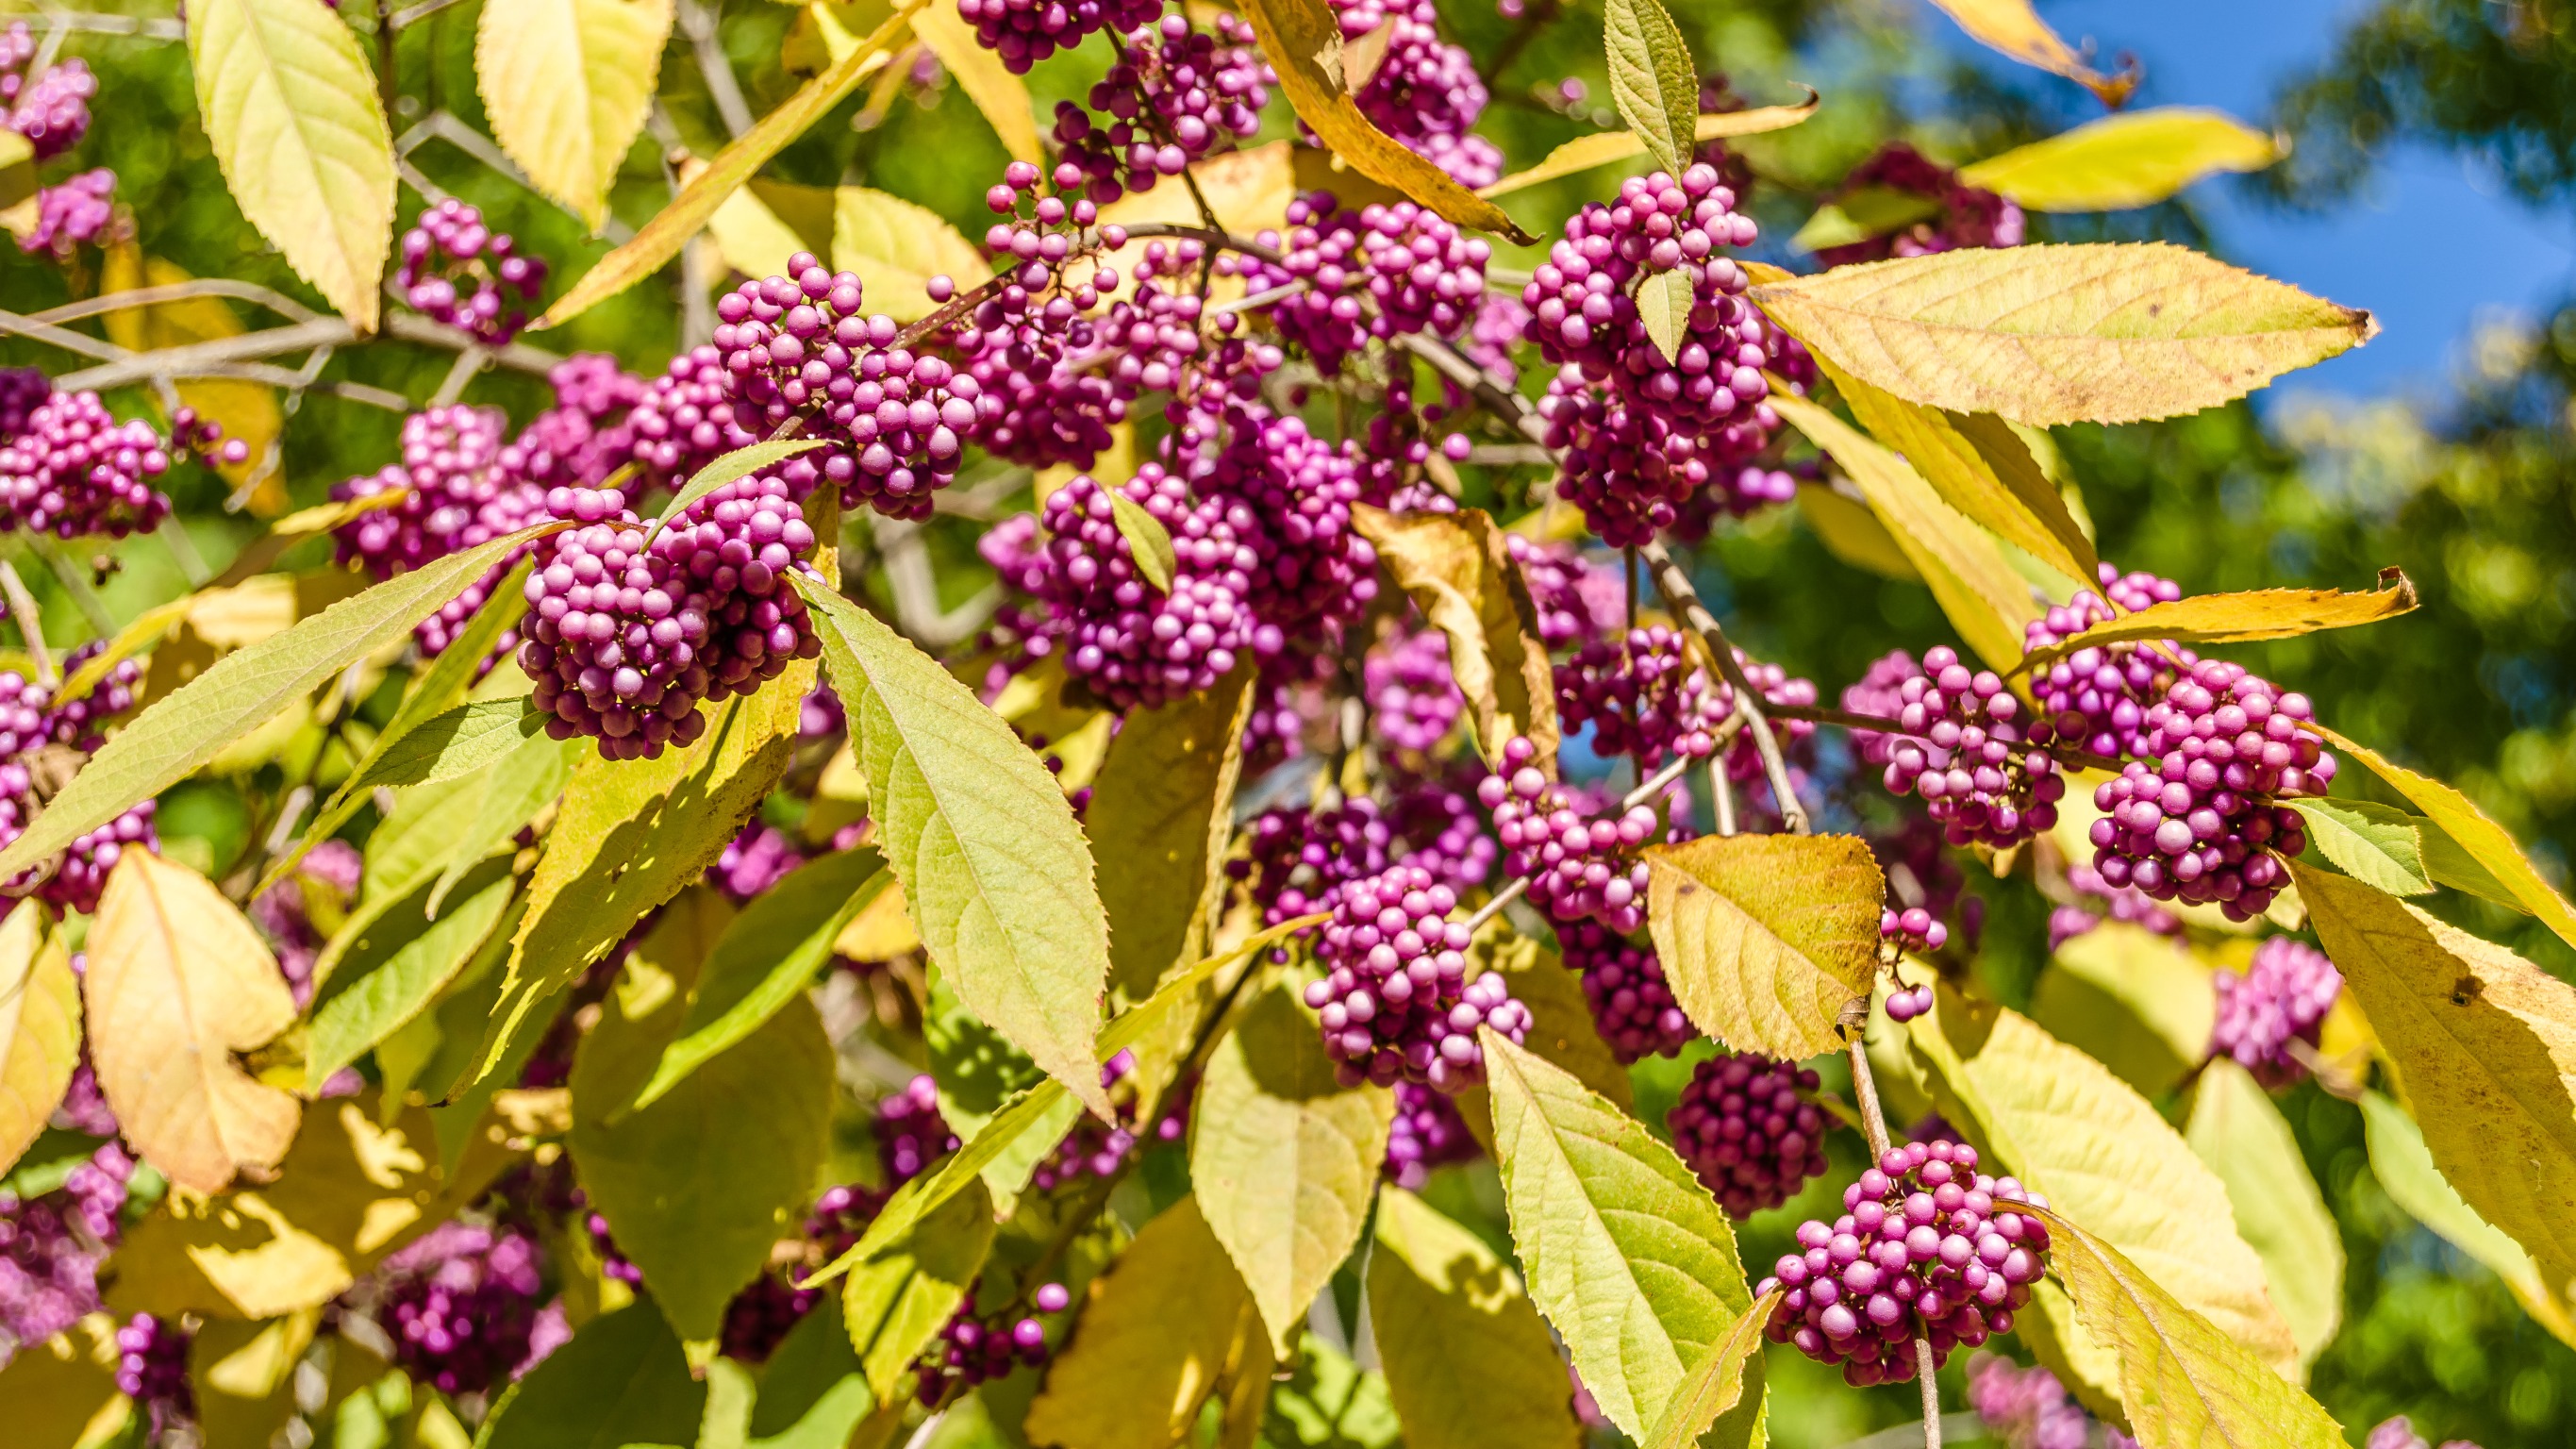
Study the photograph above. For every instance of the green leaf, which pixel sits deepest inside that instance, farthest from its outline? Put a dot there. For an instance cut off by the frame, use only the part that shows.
(2099, 1151)
(2103, 332)
(812, 1393)
(1302, 40)
(1770, 941)
(244, 689)
(1712, 1408)
(418, 838)
(1329, 1402)
(1461, 576)
(567, 84)
(976, 1067)
(62, 1391)
(659, 240)
(2135, 1001)
(2236, 1130)
(459, 742)
(994, 869)
(1284, 1157)
(740, 463)
(2136, 158)
(767, 958)
(623, 1380)
(2244, 617)
(524, 782)
(1148, 542)
(1665, 299)
(1652, 82)
(895, 1302)
(390, 962)
(2378, 845)
(1162, 808)
(897, 246)
(2462, 823)
(1981, 469)
(290, 105)
(1155, 1333)
(2183, 1379)
(1869, 211)
(2404, 1167)
(2484, 1044)
(698, 1186)
(1468, 1361)
(1627, 1254)
(1561, 1030)
(40, 1029)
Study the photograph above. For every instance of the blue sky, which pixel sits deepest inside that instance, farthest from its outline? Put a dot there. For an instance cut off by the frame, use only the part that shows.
(2433, 243)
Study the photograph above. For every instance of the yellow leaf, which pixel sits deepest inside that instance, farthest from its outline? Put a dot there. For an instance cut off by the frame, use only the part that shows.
(2184, 1380)
(1768, 940)
(290, 105)
(1469, 1362)
(1981, 469)
(2101, 332)
(896, 247)
(40, 1027)
(979, 72)
(760, 226)
(567, 84)
(2245, 1140)
(881, 932)
(1585, 152)
(1154, 1337)
(1461, 577)
(1710, 1391)
(2405, 1170)
(248, 410)
(1302, 40)
(1986, 601)
(1248, 190)
(244, 1375)
(2136, 158)
(2484, 1044)
(660, 239)
(2138, 1002)
(2486, 842)
(1160, 815)
(2012, 27)
(62, 1391)
(1852, 533)
(2242, 618)
(2059, 1121)
(1561, 1031)
(178, 981)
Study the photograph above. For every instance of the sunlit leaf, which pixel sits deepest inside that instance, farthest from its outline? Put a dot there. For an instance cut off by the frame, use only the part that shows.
(40, 1028)
(521, 784)
(1652, 81)
(740, 463)
(1860, 214)
(894, 1303)
(1561, 1030)
(2236, 1130)
(2242, 618)
(2136, 158)
(1462, 578)
(1601, 148)
(567, 84)
(897, 246)
(1852, 533)
(247, 410)
(1714, 1394)
(1664, 303)
(1468, 1361)
(2404, 1168)
(243, 1375)
(459, 742)
(2013, 28)
(2098, 332)
(290, 106)
(1002, 97)
(1981, 469)
(2137, 1002)
(1158, 1330)
(622, 1380)
(1768, 940)
(2489, 845)
(2378, 845)
(812, 1393)
(1161, 810)
(390, 965)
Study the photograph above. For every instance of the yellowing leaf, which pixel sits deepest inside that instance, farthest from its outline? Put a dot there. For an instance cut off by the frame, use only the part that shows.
(1627, 1255)
(1852, 533)
(2236, 1130)
(1861, 213)
(1161, 809)
(1561, 1031)
(1468, 1361)
(2484, 1044)
(2486, 843)
(2241, 618)
(291, 107)
(1248, 190)
(2184, 1380)
(1768, 940)
(2378, 845)
(660, 239)
(1461, 577)
(895, 1302)
(1149, 543)
(2135, 158)
(1284, 1157)
(1652, 81)
(1156, 1334)
(247, 410)
(40, 1028)
(2404, 1167)
(1302, 40)
(1600, 149)
(765, 222)
(2012, 27)
(2137, 1002)
(1664, 303)
(62, 1391)
(2099, 332)
(979, 72)
(1986, 601)
(896, 247)
(1981, 469)
(178, 981)
(567, 84)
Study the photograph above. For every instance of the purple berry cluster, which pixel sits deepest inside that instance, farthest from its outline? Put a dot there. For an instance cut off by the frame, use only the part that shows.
(1024, 32)
(2283, 997)
(448, 250)
(1959, 215)
(460, 1305)
(1297, 862)
(1577, 869)
(1927, 1247)
(2027, 1408)
(2201, 823)
(152, 1370)
(446, 478)
(1176, 94)
(625, 637)
(2096, 699)
(1288, 495)
(1746, 1128)
(75, 210)
(911, 1135)
(51, 1246)
(1438, 828)
(299, 913)
(1413, 699)
(1571, 608)
(1370, 273)
(687, 419)
(73, 469)
(1960, 746)
(1624, 984)
(972, 1348)
(1094, 1149)
(1427, 1132)
(50, 109)
(753, 861)
(1396, 1003)
(1426, 92)
(1643, 697)
(1910, 929)
(2125, 903)
(30, 719)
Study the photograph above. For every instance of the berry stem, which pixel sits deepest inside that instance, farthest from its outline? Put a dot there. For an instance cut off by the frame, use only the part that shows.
(22, 607)
(1722, 793)
(1682, 599)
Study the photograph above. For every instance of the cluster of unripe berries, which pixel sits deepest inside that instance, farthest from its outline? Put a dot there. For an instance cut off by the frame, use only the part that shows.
(2283, 997)
(1624, 985)
(449, 250)
(1748, 1128)
(1927, 1247)
(1395, 1000)
(1577, 869)
(1960, 746)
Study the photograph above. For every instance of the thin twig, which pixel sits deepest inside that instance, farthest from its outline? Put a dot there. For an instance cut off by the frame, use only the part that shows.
(1722, 791)
(183, 549)
(74, 583)
(411, 15)
(148, 28)
(916, 589)
(251, 292)
(698, 22)
(1490, 390)
(1261, 299)
(62, 337)
(388, 74)
(31, 624)
(1683, 600)
(120, 367)
(463, 370)
(444, 125)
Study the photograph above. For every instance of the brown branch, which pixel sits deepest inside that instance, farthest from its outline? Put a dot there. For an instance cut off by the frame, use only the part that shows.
(1684, 601)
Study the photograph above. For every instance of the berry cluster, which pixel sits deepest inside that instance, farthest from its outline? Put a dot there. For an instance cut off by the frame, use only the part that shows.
(2283, 997)
(446, 480)
(753, 861)
(1960, 747)
(911, 1135)
(29, 719)
(1413, 698)
(2201, 823)
(2027, 1408)
(1632, 1003)
(1922, 1250)
(1062, 379)
(627, 637)
(2096, 698)
(1437, 827)
(449, 249)
(1954, 214)
(1288, 495)
(50, 109)
(1571, 597)
(1641, 696)
(51, 1245)
(1176, 94)
(973, 1348)
(152, 1370)
(1911, 929)
(1745, 1130)
(1577, 869)
(1371, 273)
(1024, 32)
(460, 1305)
(2125, 903)
(299, 913)
(687, 419)
(1298, 861)
(1425, 92)
(1094, 1149)
(76, 210)
(73, 469)
(1396, 1003)
(1427, 1132)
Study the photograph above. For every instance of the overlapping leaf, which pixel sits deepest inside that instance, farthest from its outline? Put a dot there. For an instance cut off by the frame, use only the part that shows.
(1652, 81)
(2243, 618)
(2486, 844)
(567, 84)
(895, 1302)
(40, 1028)
(2404, 1168)
(2139, 1003)
(979, 72)
(2236, 1130)
(391, 962)
(2378, 845)
(622, 1380)
(1600, 149)
(1981, 469)
(2015, 29)
(1767, 939)
(2136, 158)
(1468, 1361)
(897, 246)
(1161, 809)
(1462, 578)
(1159, 1330)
